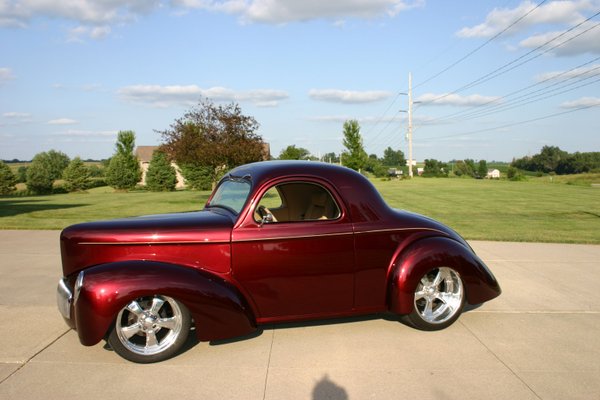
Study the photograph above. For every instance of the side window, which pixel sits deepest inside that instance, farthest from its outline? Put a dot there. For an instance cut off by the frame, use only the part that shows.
(297, 201)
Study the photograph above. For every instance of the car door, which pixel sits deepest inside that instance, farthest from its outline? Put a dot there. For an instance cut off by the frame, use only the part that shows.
(300, 263)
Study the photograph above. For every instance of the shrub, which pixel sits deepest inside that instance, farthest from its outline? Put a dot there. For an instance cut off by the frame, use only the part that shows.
(197, 176)
(76, 176)
(39, 177)
(124, 169)
(7, 179)
(514, 174)
(161, 176)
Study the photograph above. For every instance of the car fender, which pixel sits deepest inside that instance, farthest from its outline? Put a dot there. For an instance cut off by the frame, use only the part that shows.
(218, 308)
(423, 255)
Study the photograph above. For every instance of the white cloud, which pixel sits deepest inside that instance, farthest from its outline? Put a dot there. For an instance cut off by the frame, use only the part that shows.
(16, 115)
(348, 96)
(584, 72)
(282, 11)
(446, 99)
(166, 96)
(574, 43)
(75, 132)
(6, 75)
(62, 121)
(89, 12)
(361, 120)
(78, 34)
(582, 102)
(553, 12)
(103, 13)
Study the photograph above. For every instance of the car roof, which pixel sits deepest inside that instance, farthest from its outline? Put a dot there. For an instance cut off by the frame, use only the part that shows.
(356, 190)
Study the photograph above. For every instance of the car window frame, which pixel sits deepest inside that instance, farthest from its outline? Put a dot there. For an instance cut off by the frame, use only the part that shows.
(300, 180)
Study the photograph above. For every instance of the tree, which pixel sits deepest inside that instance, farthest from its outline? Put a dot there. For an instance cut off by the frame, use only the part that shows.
(482, 169)
(47, 167)
(197, 176)
(124, 169)
(76, 176)
(435, 168)
(56, 162)
(8, 180)
(217, 137)
(514, 174)
(355, 157)
(375, 166)
(549, 158)
(22, 174)
(331, 158)
(39, 177)
(393, 158)
(294, 153)
(161, 176)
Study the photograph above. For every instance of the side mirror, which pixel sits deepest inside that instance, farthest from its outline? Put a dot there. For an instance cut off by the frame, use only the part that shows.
(266, 219)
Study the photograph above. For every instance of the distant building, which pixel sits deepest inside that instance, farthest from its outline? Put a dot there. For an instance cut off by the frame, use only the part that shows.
(420, 171)
(493, 174)
(144, 155)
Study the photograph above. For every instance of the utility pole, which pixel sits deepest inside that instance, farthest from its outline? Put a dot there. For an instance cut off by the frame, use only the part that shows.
(410, 104)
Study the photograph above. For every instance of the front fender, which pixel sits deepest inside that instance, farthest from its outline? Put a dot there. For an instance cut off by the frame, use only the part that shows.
(426, 254)
(217, 307)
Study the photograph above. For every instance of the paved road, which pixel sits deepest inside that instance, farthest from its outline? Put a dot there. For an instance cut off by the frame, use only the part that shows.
(539, 340)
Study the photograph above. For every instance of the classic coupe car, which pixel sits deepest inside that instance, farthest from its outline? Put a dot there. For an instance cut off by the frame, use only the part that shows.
(276, 241)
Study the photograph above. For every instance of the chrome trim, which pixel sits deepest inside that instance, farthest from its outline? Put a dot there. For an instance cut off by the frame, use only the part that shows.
(64, 298)
(400, 229)
(292, 237)
(78, 286)
(154, 243)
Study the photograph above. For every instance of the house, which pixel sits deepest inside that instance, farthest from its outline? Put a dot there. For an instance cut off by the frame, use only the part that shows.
(493, 174)
(144, 155)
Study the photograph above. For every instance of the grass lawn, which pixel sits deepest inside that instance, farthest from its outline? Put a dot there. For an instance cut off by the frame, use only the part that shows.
(534, 211)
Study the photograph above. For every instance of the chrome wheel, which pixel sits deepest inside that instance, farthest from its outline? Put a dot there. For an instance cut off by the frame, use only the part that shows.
(150, 329)
(439, 299)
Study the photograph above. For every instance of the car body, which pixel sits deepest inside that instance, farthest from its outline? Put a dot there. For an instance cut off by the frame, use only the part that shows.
(276, 241)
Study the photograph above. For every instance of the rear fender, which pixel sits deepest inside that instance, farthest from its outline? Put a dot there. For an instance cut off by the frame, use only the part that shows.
(217, 307)
(426, 254)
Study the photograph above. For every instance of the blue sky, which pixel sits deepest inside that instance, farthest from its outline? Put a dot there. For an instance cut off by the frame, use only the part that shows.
(75, 72)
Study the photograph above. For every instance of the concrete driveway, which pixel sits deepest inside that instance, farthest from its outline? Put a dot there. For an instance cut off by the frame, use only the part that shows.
(539, 340)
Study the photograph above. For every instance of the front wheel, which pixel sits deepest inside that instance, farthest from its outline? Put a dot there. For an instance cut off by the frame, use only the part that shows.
(150, 329)
(438, 300)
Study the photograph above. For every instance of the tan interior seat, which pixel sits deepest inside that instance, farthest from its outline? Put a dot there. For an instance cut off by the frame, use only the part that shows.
(320, 207)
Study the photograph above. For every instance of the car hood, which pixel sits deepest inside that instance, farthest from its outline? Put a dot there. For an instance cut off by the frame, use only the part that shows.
(199, 226)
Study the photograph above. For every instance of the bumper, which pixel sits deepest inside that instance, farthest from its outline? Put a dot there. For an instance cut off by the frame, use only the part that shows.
(64, 298)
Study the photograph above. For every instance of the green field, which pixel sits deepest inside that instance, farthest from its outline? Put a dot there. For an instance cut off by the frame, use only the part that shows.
(534, 211)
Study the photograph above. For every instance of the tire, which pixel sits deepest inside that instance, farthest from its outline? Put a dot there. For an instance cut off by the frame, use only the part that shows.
(438, 300)
(150, 329)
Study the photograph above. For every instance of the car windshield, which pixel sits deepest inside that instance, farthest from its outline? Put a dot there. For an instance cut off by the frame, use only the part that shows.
(231, 194)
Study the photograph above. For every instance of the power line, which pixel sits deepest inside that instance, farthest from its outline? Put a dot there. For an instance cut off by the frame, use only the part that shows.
(533, 99)
(508, 125)
(480, 46)
(502, 70)
(488, 107)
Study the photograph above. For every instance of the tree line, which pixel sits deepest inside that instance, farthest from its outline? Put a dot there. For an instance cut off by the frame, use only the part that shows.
(551, 159)
(210, 139)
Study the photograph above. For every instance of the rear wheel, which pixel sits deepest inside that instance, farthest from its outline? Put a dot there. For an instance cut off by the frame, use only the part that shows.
(150, 329)
(438, 300)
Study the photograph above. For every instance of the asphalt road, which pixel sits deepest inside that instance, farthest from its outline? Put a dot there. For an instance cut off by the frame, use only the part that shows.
(539, 340)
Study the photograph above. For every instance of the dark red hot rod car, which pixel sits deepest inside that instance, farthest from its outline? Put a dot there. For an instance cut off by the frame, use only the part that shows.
(276, 241)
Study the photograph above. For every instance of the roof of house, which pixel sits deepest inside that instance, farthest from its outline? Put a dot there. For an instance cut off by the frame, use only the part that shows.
(144, 153)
